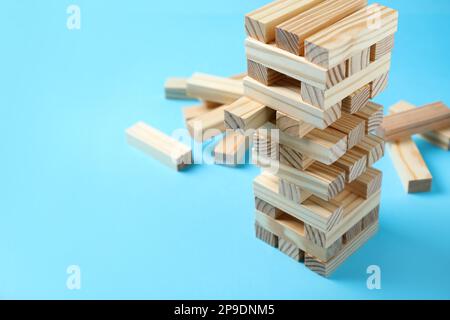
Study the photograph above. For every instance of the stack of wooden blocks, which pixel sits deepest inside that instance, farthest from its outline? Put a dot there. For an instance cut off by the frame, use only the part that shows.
(313, 68)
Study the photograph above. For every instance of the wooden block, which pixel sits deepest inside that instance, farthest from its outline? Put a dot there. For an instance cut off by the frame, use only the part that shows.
(285, 97)
(316, 96)
(352, 126)
(381, 48)
(354, 164)
(175, 89)
(292, 192)
(165, 149)
(408, 161)
(379, 85)
(356, 32)
(239, 76)
(358, 62)
(371, 218)
(325, 146)
(291, 35)
(403, 125)
(267, 208)
(260, 24)
(263, 74)
(326, 269)
(367, 184)
(295, 159)
(190, 113)
(357, 100)
(266, 236)
(207, 125)
(353, 232)
(321, 214)
(291, 250)
(292, 127)
(231, 149)
(440, 138)
(373, 115)
(214, 89)
(246, 114)
(373, 147)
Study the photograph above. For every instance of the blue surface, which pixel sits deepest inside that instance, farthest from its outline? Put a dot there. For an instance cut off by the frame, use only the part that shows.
(73, 193)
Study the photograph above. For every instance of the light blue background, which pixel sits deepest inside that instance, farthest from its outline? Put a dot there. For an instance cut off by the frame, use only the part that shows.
(73, 192)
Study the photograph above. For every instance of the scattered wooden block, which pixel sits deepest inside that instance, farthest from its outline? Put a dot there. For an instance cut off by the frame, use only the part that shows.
(260, 24)
(207, 125)
(382, 47)
(291, 35)
(379, 85)
(358, 62)
(314, 211)
(285, 97)
(403, 125)
(373, 115)
(352, 126)
(292, 127)
(408, 161)
(373, 147)
(440, 138)
(357, 100)
(291, 250)
(356, 32)
(292, 192)
(214, 89)
(175, 89)
(165, 149)
(266, 236)
(294, 158)
(246, 114)
(267, 208)
(367, 184)
(190, 113)
(231, 150)
(263, 74)
(353, 163)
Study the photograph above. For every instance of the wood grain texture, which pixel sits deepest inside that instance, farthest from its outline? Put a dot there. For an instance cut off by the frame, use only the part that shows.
(267, 208)
(266, 236)
(292, 127)
(320, 214)
(358, 62)
(260, 24)
(351, 35)
(357, 100)
(263, 74)
(407, 159)
(158, 145)
(295, 159)
(379, 85)
(291, 35)
(286, 98)
(351, 126)
(176, 89)
(382, 47)
(372, 114)
(440, 138)
(214, 89)
(354, 164)
(246, 114)
(367, 184)
(291, 250)
(403, 125)
(207, 125)
(373, 147)
(231, 150)
(293, 192)
(192, 112)
(366, 222)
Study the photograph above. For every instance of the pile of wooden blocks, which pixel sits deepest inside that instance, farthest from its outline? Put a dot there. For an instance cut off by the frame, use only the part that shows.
(313, 68)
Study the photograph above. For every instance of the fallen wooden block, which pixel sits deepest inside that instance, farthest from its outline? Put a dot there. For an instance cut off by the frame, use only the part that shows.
(260, 24)
(192, 112)
(373, 115)
(382, 47)
(367, 184)
(293, 192)
(175, 88)
(292, 127)
(263, 74)
(408, 161)
(356, 32)
(207, 125)
(352, 126)
(403, 125)
(214, 89)
(291, 34)
(373, 147)
(357, 100)
(246, 114)
(165, 149)
(231, 150)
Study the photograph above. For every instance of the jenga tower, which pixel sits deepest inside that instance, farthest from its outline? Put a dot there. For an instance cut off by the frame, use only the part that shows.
(313, 68)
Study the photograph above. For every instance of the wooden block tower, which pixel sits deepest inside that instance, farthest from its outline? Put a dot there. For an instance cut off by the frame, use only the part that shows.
(314, 67)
